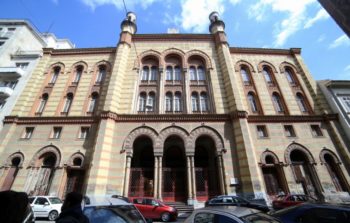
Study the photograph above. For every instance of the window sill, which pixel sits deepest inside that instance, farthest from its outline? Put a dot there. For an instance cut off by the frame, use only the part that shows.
(25, 139)
(64, 113)
(38, 113)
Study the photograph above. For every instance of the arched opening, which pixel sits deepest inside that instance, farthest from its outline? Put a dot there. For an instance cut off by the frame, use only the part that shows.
(142, 168)
(174, 170)
(335, 173)
(206, 169)
(75, 174)
(275, 181)
(304, 173)
(11, 173)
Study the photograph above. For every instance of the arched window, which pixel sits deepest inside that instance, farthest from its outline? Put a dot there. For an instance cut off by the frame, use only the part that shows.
(245, 76)
(252, 102)
(193, 75)
(145, 72)
(177, 73)
(204, 102)
(169, 73)
(301, 102)
(150, 102)
(142, 101)
(290, 76)
(93, 102)
(195, 102)
(55, 74)
(201, 73)
(43, 102)
(168, 101)
(267, 75)
(334, 170)
(101, 74)
(277, 102)
(78, 72)
(154, 73)
(177, 102)
(68, 103)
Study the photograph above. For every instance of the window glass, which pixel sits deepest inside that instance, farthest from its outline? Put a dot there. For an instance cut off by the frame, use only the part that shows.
(142, 102)
(277, 102)
(252, 102)
(267, 75)
(168, 102)
(154, 73)
(113, 214)
(245, 76)
(31, 199)
(23, 66)
(289, 130)
(55, 200)
(346, 101)
(169, 73)
(195, 102)
(84, 132)
(177, 73)
(68, 103)
(77, 76)
(290, 77)
(193, 75)
(316, 130)
(41, 201)
(101, 74)
(56, 132)
(145, 72)
(262, 132)
(201, 74)
(177, 102)
(204, 102)
(28, 132)
(150, 102)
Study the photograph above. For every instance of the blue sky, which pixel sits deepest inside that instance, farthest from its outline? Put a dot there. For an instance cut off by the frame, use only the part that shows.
(249, 23)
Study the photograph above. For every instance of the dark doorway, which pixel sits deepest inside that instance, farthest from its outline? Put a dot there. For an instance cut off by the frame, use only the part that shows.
(11, 174)
(335, 173)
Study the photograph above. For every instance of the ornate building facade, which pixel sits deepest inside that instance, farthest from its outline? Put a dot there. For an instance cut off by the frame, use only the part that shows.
(181, 117)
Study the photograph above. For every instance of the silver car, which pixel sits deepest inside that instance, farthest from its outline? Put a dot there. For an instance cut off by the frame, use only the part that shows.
(229, 214)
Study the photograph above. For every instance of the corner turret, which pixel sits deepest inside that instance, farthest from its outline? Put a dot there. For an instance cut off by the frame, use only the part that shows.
(216, 24)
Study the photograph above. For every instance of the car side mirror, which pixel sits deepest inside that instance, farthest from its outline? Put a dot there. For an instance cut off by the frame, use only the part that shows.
(46, 203)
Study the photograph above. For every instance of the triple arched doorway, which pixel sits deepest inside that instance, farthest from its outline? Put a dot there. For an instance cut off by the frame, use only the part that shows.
(174, 170)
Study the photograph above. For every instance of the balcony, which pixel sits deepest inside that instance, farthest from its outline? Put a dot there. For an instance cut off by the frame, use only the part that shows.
(11, 72)
(5, 91)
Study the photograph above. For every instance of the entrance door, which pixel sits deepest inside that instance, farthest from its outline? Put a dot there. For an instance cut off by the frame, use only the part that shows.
(75, 179)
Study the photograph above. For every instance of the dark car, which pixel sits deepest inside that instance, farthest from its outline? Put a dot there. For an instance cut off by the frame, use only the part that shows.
(225, 200)
(314, 213)
(152, 208)
(283, 201)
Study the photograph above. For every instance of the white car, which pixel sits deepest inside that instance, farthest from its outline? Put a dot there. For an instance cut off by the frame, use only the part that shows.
(46, 206)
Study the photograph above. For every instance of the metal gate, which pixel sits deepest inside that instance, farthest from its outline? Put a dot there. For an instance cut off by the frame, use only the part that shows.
(206, 183)
(141, 182)
(174, 184)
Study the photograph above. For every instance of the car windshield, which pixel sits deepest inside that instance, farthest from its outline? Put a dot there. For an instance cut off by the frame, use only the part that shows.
(31, 199)
(113, 214)
(259, 218)
(55, 200)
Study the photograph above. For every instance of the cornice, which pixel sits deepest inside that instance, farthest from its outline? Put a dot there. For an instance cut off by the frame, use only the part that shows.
(290, 51)
(172, 37)
(51, 120)
(78, 51)
(291, 118)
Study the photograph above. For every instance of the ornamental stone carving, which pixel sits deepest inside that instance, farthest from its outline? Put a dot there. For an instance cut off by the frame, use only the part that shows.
(267, 153)
(43, 151)
(208, 64)
(207, 131)
(15, 155)
(70, 161)
(326, 151)
(148, 53)
(296, 146)
(173, 130)
(140, 131)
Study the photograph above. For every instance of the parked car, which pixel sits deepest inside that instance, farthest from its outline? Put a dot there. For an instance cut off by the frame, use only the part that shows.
(100, 209)
(46, 206)
(283, 201)
(314, 213)
(230, 214)
(152, 208)
(224, 200)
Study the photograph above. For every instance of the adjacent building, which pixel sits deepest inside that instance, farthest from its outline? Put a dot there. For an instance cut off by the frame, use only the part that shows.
(20, 49)
(180, 117)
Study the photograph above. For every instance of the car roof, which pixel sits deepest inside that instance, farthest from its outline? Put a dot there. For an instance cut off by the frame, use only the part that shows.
(230, 210)
(104, 200)
(44, 196)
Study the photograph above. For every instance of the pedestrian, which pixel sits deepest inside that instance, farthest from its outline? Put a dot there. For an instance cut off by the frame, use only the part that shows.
(71, 210)
(15, 207)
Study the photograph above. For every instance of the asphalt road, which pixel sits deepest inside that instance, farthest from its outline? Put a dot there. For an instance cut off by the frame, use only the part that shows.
(179, 220)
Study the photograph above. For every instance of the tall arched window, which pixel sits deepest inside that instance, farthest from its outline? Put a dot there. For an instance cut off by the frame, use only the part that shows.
(204, 102)
(11, 173)
(55, 74)
(151, 99)
(277, 102)
(177, 102)
(201, 73)
(68, 103)
(267, 75)
(101, 74)
(301, 102)
(177, 73)
(145, 72)
(334, 170)
(193, 75)
(168, 101)
(290, 76)
(93, 102)
(154, 73)
(142, 101)
(78, 72)
(43, 102)
(245, 76)
(252, 102)
(195, 102)
(169, 73)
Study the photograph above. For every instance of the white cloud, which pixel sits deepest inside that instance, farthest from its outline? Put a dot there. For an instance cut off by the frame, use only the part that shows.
(118, 3)
(321, 15)
(341, 41)
(295, 11)
(234, 2)
(321, 38)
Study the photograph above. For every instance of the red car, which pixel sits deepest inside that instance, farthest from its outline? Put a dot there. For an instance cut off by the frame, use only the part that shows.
(152, 208)
(283, 201)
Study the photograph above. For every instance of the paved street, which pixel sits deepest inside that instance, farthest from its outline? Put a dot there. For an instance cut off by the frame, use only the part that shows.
(181, 219)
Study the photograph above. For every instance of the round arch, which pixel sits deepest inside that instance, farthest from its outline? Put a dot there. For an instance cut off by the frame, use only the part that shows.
(296, 146)
(173, 130)
(268, 64)
(79, 155)
(244, 63)
(266, 154)
(174, 51)
(207, 131)
(80, 63)
(285, 64)
(208, 63)
(103, 63)
(18, 155)
(54, 65)
(148, 53)
(47, 149)
(134, 134)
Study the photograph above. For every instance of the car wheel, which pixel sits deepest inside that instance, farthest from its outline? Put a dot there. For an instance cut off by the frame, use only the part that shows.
(53, 215)
(165, 216)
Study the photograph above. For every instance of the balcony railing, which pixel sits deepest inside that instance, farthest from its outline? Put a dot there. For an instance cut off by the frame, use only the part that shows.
(11, 72)
(6, 91)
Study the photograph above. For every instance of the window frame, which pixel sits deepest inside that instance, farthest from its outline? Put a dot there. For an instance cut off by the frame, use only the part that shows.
(56, 134)
(84, 134)
(316, 130)
(264, 130)
(28, 134)
(286, 130)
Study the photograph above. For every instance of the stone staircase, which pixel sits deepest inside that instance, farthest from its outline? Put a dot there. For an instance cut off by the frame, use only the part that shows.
(183, 209)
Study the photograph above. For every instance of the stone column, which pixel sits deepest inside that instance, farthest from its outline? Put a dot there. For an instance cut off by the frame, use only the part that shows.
(127, 176)
(221, 175)
(189, 181)
(160, 176)
(161, 92)
(187, 95)
(194, 189)
(155, 189)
